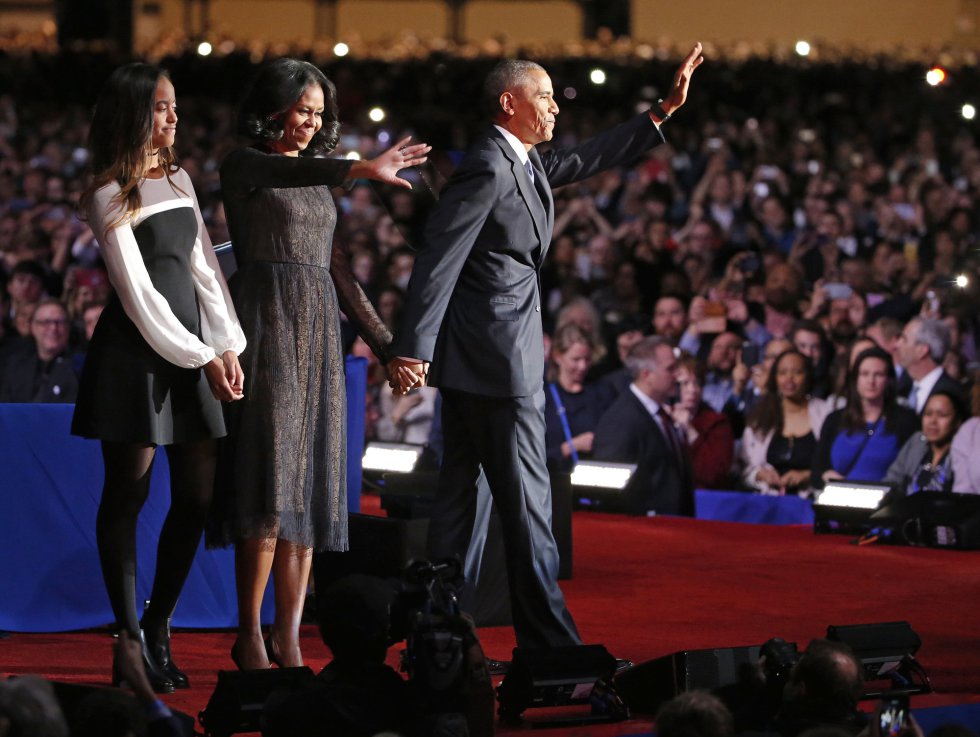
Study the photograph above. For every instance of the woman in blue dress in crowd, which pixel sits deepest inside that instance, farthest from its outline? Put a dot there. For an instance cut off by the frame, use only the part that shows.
(861, 440)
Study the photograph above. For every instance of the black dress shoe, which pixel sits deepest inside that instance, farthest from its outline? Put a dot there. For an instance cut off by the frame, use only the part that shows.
(158, 646)
(498, 667)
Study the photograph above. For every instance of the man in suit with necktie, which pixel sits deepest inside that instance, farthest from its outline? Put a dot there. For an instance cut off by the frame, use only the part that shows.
(637, 428)
(473, 310)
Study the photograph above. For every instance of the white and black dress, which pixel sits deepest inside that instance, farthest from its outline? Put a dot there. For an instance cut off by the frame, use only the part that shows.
(170, 315)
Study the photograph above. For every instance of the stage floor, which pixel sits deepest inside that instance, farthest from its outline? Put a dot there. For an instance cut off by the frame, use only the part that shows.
(648, 587)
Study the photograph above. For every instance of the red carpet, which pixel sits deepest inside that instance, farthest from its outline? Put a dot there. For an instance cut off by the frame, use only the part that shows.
(649, 587)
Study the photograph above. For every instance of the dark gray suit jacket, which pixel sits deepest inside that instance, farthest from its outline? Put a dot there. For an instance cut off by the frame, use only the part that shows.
(474, 301)
(627, 433)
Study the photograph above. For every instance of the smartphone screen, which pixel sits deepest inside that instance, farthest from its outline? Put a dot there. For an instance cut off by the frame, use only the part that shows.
(893, 716)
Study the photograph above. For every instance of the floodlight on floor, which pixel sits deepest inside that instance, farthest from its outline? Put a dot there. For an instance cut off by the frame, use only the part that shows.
(398, 457)
(846, 506)
(597, 475)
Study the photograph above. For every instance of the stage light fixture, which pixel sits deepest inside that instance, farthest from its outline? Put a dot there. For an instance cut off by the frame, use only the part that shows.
(341, 49)
(846, 506)
(353, 156)
(598, 76)
(204, 49)
(855, 496)
(596, 475)
(962, 281)
(376, 114)
(803, 48)
(398, 457)
(968, 111)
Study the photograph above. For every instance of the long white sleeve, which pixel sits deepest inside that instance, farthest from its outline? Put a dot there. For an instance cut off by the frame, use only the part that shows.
(143, 304)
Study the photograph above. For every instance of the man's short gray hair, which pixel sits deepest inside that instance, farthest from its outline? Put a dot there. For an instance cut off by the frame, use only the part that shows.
(644, 355)
(509, 74)
(934, 334)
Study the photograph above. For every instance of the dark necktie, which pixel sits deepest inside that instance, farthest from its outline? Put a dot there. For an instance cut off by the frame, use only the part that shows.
(670, 435)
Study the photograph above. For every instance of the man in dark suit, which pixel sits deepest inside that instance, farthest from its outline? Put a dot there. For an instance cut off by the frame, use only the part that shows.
(637, 428)
(921, 350)
(474, 310)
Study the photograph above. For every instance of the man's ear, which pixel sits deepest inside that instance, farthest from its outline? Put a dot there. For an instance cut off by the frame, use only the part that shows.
(507, 103)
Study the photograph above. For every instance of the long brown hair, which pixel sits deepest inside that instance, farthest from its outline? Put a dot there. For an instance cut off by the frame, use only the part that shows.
(767, 415)
(120, 138)
(853, 418)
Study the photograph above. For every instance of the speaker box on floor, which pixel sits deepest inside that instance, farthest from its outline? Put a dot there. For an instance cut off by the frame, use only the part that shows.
(557, 676)
(646, 686)
(238, 699)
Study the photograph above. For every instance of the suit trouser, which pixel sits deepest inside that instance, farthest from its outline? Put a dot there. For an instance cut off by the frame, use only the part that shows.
(505, 437)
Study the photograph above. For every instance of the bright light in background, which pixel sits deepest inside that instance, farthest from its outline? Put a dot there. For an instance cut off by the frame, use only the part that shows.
(962, 281)
(384, 137)
(353, 156)
(802, 48)
(936, 76)
(968, 111)
(570, 93)
(204, 48)
(597, 76)
(341, 49)
(376, 114)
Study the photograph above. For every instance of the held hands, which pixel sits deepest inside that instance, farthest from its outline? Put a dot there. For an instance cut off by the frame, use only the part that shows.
(225, 377)
(385, 167)
(682, 80)
(405, 374)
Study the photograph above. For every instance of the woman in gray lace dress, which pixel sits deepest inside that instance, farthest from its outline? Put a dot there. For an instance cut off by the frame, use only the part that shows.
(282, 485)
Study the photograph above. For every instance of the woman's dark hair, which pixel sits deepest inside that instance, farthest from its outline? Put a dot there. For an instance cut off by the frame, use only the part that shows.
(767, 415)
(120, 137)
(276, 88)
(853, 418)
(960, 410)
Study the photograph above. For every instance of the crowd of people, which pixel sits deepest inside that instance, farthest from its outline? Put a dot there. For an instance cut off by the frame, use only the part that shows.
(784, 295)
(802, 216)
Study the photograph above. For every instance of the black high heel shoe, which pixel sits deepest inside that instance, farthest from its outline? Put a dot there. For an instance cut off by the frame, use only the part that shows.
(158, 645)
(159, 681)
(271, 653)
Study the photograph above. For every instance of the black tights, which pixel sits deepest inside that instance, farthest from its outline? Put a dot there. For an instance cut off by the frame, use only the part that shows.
(127, 485)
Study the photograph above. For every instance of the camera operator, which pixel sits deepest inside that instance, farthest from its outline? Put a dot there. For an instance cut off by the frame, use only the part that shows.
(822, 691)
(358, 695)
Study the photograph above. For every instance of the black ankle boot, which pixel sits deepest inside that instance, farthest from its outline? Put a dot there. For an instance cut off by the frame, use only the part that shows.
(159, 681)
(157, 645)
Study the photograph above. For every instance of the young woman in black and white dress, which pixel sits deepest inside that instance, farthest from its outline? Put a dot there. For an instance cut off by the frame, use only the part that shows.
(163, 356)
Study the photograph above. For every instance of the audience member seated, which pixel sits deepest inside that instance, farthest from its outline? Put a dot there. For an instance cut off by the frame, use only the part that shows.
(25, 287)
(755, 387)
(809, 338)
(719, 385)
(406, 418)
(636, 428)
(572, 405)
(860, 441)
(46, 374)
(823, 690)
(922, 349)
(670, 318)
(694, 714)
(708, 433)
(782, 430)
(615, 377)
(965, 451)
(924, 463)
(28, 708)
